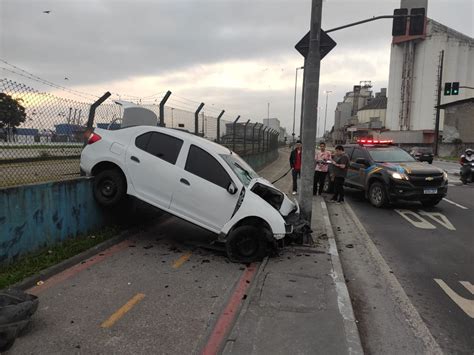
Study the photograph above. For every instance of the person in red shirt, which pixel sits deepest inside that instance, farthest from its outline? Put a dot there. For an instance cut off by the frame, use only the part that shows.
(295, 163)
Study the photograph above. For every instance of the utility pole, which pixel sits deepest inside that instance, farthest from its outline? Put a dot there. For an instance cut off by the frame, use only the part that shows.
(268, 110)
(310, 111)
(294, 103)
(326, 113)
(440, 88)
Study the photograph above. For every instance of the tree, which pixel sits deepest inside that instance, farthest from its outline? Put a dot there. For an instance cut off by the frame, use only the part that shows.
(12, 113)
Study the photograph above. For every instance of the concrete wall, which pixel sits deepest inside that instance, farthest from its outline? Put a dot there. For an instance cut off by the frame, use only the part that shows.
(34, 216)
(364, 116)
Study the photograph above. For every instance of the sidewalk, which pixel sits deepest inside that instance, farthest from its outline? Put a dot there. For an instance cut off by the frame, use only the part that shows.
(299, 303)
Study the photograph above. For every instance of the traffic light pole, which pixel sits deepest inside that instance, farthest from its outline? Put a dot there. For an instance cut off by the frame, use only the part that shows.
(310, 111)
(438, 109)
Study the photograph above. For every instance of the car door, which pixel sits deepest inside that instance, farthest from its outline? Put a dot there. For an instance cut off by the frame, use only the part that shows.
(356, 173)
(201, 194)
(151, 165)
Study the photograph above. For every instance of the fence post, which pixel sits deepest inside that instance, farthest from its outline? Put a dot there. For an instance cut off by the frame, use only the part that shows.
(253, 138)
(90, 120)
(263, 139)
(258, 138)
(162, 108)
(233, 133)
(245, 137)
(196, 118)
(218, 138)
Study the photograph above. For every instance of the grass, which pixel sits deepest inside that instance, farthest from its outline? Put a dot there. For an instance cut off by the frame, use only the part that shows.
(33, 263)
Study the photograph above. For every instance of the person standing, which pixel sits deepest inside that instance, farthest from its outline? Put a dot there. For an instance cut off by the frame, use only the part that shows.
(340, 166)
(322, 157)
(295, 163)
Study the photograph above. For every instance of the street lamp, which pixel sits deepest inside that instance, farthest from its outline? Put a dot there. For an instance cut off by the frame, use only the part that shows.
(294, 104)
(326, 113)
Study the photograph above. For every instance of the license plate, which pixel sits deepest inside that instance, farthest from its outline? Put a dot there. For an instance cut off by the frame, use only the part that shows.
(431, 191)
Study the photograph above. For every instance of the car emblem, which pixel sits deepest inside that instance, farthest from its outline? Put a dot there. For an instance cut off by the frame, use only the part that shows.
(429, 178)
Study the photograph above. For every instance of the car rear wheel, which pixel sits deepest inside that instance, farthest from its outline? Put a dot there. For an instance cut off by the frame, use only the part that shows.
(377, 195)
(109, 187)
(431, 202)
(246, 244)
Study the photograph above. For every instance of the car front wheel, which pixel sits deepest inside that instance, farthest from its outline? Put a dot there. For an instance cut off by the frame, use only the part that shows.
(246, 244)
(109, 187)
(378, 195)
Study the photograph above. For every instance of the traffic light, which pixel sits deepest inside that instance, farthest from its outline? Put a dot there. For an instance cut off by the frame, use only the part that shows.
(417, 23)
(455, 89)
(399, 27)
(447, 89)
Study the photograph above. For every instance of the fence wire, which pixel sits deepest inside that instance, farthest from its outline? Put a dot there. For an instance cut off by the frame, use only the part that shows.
(42, 135)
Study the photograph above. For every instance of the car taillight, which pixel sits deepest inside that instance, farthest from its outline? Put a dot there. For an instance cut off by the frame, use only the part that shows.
(94, 137)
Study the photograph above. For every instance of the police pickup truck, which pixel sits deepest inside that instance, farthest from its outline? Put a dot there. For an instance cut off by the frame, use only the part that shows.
(387, 173)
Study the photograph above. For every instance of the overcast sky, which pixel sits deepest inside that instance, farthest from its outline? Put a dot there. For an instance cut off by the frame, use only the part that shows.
(236, 55)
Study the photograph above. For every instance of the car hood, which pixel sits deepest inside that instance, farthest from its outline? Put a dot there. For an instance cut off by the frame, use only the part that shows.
(415, 168)
(287, 205)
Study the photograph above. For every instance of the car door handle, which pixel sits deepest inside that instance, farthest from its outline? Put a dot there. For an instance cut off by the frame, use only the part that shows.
(135, 159)
(184, 181)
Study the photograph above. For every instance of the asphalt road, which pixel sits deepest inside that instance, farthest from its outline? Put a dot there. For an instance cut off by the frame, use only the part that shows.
(431, 253)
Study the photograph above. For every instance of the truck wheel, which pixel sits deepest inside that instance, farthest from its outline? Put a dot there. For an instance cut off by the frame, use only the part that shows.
(246, 244)
(431, 202)
(377, 195)
(109, 187)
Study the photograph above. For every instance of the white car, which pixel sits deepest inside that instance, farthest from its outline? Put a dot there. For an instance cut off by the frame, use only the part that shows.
(194, 179)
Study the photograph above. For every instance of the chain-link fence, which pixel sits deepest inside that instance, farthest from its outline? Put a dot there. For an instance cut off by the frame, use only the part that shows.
(42, 135)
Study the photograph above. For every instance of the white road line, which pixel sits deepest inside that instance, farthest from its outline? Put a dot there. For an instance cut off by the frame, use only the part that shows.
(455, 204)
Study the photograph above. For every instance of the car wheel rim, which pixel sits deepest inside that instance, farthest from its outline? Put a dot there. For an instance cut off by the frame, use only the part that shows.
(247, 246)
(108, 189)
(377, 195)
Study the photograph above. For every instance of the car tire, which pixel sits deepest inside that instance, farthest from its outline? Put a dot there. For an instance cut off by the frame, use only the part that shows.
(109, 187)
(378, 195)
(246, 244)
(431, 202)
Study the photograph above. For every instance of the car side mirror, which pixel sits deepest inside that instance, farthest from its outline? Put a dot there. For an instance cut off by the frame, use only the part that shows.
(232, 189)
(362, 161)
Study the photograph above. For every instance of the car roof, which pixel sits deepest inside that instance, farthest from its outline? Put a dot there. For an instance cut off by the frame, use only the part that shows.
(189, 137)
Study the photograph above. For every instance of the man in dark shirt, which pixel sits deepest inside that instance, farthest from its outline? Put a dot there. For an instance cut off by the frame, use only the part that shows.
(295, 163)
(340, 166)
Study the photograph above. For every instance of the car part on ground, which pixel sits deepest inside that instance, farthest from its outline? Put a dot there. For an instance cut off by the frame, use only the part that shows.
(16, 309)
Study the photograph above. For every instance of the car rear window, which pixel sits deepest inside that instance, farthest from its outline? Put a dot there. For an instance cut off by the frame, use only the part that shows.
(160, 145)
(389, 155)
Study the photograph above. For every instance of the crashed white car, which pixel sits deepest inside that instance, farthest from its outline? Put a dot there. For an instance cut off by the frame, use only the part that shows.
(194, 179)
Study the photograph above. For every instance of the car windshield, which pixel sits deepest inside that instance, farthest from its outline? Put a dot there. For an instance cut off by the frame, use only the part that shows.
(390, 155)
(243, 171)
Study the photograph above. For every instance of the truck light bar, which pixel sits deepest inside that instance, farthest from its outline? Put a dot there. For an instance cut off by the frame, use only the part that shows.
(375, 141)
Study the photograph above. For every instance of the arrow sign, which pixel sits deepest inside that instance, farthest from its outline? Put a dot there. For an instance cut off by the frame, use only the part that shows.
(325, 46)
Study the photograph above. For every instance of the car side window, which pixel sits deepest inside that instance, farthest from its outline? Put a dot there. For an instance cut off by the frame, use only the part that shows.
(204, 165)
(358, 153)
(160, 145)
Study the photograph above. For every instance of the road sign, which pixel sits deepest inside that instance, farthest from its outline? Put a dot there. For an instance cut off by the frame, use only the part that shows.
(326, 45)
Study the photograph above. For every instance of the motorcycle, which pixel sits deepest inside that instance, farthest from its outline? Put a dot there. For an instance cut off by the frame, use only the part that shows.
(467, 172)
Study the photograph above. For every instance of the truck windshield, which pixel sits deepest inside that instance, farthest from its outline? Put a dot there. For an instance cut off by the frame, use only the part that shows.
(243, 171)
(390, 155)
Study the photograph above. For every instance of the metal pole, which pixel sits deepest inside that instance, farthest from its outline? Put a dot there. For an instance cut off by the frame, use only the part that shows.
(326, 113)
(258, 138)
(302, 102)
(203, 133)
(268, 110)
(162, 108)
(245, 137)
(310, 111)
(294, 103)
(440, 88)
(196, 118)
(90, 120)
(233, 133)
(253, 138)
(172, 117)
(218, 138)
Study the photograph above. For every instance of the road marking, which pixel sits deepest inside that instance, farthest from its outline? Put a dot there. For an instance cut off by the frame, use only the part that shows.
(70, 272)
(182, 260)
(439, 218)
(465, 304)
(122, 310)
(455, 204)
(415, 219)
(226, 319)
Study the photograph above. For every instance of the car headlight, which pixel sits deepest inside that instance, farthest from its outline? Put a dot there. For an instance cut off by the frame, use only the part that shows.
(445, 175)
(399, 176)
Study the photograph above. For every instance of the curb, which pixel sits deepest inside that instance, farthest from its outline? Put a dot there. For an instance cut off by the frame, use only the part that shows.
(76, 259)
(343, 299)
